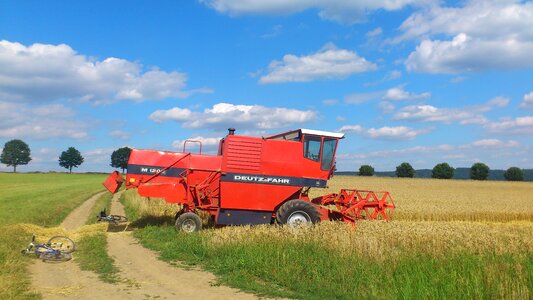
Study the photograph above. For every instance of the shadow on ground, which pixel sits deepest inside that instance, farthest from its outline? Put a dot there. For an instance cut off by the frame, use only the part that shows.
(141, 223)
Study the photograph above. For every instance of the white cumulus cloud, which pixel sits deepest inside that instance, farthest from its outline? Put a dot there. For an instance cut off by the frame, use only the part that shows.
(393, 94)
(98, 155)
(224, 115)
(495, 143)
(328, 63)
(465, 54)
(342, 11)
(528, 101)
(398, 93)
(45, 72)
(518, 125)
(464, 115)
(482, 35)
(384, 133)
(22, 120)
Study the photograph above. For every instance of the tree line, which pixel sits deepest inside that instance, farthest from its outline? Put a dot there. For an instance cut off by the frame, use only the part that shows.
(478, 171)
(17, 153)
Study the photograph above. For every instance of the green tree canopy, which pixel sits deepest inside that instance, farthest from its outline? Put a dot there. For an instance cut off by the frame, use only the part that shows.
(119, 158)
(70, 158)
(479, 171)
(442, 171)
(405, 170)
(366, 170)
(15, 153)
(514, 174)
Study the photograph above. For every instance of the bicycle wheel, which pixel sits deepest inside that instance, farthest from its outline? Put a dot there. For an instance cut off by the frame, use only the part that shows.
(61, 243)
(55, 257)
(119, 219)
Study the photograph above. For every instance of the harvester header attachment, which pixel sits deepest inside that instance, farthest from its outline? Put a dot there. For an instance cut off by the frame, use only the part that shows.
(114, 182)
(252, 180)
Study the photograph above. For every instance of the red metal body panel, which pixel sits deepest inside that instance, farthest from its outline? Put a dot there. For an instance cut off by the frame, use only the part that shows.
(258, 156)
(169, 175)
(237, 195)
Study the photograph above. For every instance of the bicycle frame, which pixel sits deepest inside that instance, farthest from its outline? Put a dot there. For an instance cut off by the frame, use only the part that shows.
(38, 249)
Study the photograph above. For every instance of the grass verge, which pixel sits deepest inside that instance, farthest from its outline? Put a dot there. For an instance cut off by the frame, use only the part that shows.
(301, 269)
(91, 255)
(15, 281)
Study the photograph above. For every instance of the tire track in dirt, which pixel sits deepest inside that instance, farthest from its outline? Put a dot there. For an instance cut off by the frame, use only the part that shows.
(143, 275)
(157, 278)
(78, 217)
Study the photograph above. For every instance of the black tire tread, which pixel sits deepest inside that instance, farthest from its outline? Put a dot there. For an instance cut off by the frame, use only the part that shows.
(290, 206)
(189, 215)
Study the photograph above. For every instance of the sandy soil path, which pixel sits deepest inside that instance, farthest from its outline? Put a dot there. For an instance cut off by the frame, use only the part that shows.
(157, 278)
(161, 280)
(78, 216)
(145, 276)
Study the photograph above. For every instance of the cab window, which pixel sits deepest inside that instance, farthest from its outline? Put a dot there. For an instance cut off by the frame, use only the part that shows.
(312, 147)
(327, 153)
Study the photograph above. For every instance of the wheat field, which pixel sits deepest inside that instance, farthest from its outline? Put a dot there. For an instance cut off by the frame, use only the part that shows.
(419, 199)
(437, 216)
(447, 239)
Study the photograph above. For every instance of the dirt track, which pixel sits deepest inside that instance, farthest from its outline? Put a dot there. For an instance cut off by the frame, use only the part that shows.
(144, 276)
(78, 216)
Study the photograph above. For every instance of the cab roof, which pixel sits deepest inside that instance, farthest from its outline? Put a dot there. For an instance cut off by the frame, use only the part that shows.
(337, 135)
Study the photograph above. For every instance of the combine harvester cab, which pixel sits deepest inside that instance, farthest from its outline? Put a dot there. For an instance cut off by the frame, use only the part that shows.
(252, 181)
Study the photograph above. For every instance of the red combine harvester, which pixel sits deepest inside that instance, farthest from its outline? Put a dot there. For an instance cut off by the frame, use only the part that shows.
(252, 181)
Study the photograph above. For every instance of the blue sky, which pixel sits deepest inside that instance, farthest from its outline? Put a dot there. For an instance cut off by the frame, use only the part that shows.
(409, 80)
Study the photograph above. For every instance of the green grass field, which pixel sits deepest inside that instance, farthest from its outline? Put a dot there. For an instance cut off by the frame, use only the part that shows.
(43, 200)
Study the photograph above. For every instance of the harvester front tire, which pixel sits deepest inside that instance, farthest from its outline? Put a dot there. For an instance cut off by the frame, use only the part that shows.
(297, 213)
(188, 222)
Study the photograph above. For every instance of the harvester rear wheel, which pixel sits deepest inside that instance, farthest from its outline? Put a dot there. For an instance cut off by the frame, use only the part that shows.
(297, 213)
(188, 222)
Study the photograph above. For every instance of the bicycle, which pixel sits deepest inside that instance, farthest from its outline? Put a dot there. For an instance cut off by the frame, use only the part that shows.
(57, 249)
(115, 219)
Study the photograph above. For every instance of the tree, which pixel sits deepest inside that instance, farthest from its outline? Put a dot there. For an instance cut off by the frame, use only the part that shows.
(15, 153)
(479, 171)
(514, 174)
(405, 170)
(366, 170)
(119, 158)
(70, 158)
(442, 171)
